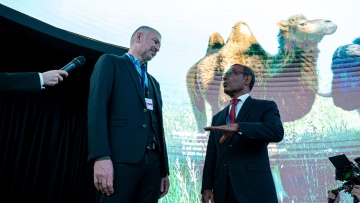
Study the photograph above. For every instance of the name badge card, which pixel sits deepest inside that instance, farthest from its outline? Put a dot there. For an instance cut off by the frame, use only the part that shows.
(149, 103)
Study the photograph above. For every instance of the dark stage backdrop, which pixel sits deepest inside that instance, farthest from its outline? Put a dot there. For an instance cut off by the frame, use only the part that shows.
(43, 136)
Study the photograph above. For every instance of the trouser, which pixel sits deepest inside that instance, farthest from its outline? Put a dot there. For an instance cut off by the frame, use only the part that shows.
(136, 183)
(230, 195)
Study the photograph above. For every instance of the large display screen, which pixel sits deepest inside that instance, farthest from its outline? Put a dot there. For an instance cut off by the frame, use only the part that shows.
(306, 55)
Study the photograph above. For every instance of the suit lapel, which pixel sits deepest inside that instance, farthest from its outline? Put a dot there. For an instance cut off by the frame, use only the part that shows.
(134, 75)
(242, 115)
(248, 104)
(156, 90)
(223, 116)
(156, 94)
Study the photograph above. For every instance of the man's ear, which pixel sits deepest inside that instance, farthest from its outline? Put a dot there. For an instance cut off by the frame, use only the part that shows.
(138, 37)
(247, 80)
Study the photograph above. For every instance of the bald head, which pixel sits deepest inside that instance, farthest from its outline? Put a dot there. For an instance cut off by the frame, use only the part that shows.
(145, 43)
(144, 30)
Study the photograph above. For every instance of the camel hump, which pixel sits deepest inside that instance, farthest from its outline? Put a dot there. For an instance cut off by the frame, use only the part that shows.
(216, 42)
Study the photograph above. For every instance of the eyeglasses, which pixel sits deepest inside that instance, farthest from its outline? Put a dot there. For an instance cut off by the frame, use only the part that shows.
(230, 72)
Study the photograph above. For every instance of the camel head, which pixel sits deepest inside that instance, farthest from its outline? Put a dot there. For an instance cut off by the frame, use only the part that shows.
(300, 33)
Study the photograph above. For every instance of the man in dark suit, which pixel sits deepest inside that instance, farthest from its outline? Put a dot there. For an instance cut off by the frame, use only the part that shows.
(30, 81)
(237, 166)
(125, 125)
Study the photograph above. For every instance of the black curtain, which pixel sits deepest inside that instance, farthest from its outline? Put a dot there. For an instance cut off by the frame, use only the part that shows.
(43, 148)
(43, 136)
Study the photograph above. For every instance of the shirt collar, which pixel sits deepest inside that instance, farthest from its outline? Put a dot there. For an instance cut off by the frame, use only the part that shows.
(136, 62)
(243, 97)
(138, 68)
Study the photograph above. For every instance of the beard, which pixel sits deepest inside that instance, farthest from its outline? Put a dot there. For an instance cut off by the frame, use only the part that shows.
(146, 55)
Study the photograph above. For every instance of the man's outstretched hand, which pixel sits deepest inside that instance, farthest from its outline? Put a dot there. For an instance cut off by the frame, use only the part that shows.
(227, 130)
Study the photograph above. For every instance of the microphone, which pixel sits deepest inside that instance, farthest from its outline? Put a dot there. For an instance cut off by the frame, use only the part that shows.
(76, 62)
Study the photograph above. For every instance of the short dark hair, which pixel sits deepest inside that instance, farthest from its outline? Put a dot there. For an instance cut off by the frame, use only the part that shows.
(248, 71)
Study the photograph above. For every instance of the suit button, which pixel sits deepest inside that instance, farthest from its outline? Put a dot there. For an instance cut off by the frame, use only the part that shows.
(230, 145)
(144, 126)
(225, 164)
(145, 110)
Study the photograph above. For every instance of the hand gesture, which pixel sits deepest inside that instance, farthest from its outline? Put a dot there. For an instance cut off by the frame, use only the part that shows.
(227, 130)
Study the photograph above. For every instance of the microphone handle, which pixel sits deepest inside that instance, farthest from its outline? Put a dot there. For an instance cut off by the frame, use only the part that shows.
(69, 67)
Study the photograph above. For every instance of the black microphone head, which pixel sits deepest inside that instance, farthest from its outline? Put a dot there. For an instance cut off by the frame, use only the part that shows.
(79, 61)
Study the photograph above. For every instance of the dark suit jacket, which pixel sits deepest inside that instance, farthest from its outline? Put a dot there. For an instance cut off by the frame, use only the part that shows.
(20, 82)
(244, 156)
(118, 119)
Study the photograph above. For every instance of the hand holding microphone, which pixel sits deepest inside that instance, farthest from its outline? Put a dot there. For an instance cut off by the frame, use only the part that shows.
(53, 77)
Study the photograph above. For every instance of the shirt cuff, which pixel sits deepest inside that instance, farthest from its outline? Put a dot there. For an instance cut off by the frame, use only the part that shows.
(103, 158)
(239, 132)
(41, 81)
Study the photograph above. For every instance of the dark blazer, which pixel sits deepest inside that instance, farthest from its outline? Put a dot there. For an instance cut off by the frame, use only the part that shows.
(20, 82)
(244, 156)
(118, 119)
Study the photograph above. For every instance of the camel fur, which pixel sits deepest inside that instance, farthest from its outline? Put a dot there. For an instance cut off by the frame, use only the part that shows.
(289, 77)
(345, 67)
